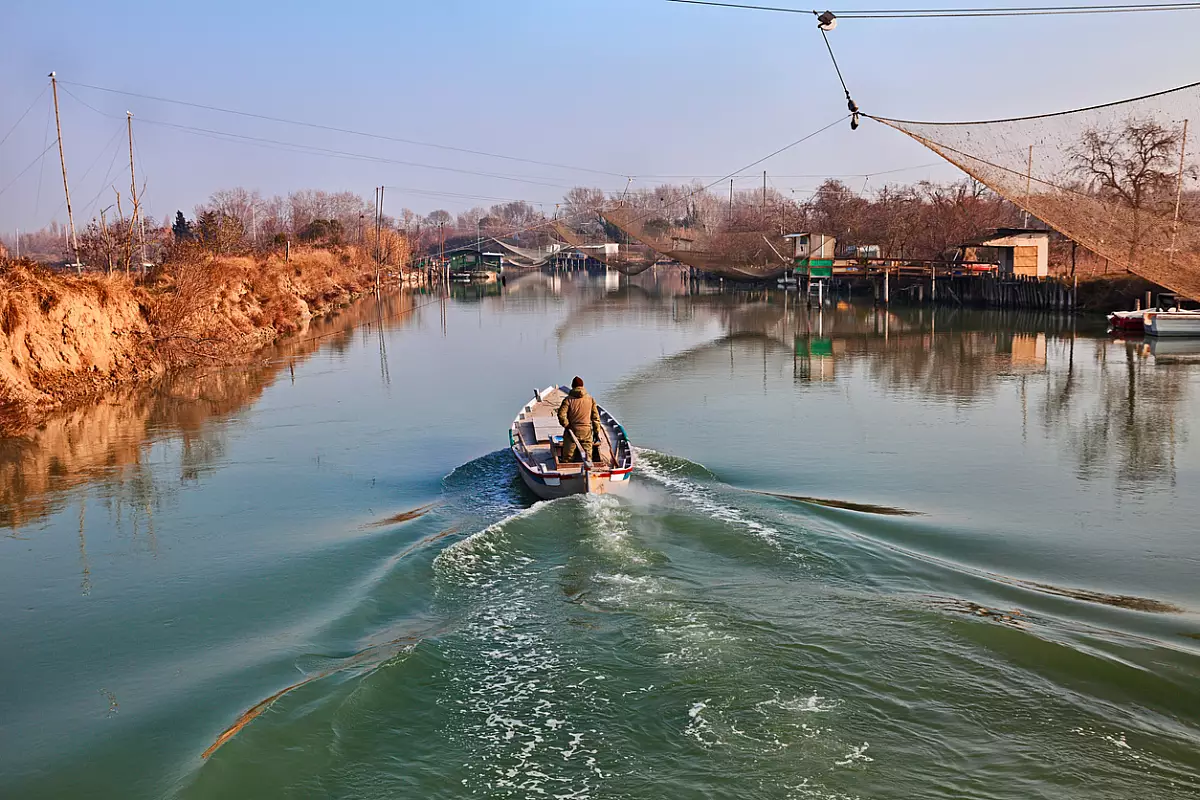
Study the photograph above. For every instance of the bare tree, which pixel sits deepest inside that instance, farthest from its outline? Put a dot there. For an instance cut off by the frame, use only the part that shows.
(1133, 163)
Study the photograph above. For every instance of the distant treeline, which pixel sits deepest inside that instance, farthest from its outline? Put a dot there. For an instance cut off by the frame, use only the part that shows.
(920, 220)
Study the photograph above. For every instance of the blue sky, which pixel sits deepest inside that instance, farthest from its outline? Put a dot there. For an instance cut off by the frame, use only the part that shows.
(630, 87)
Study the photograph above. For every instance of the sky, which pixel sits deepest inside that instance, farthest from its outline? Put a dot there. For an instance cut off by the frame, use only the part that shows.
(603, 90)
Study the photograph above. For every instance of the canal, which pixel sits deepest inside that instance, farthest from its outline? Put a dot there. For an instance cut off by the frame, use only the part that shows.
(867, 554)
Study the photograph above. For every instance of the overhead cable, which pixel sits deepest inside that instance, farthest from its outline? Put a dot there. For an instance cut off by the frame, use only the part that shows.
(335, 129)
(22, 117)
(997, 11)
(17, 177)
(315, 150)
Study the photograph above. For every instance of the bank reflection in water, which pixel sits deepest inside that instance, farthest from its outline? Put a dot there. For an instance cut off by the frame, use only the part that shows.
(107, 442)
(1116, 407)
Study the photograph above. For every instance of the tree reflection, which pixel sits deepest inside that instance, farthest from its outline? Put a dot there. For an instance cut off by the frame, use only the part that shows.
(111, 443)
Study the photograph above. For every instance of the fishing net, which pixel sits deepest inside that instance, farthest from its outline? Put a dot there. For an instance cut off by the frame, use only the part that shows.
(525, 257)
(590, 237)
(728, 252)
(1119, 179)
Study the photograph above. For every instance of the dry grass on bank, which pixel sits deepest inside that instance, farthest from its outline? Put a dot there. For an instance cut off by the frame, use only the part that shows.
(64, 337)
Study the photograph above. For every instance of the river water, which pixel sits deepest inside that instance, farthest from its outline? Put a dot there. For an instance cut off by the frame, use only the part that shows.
(866, 554)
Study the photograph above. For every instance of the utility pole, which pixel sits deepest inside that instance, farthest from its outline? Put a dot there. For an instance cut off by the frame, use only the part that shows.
(381, 188)
(764, 193)
(133, 190)
(63, 161)
(18, 244)
(731, 197)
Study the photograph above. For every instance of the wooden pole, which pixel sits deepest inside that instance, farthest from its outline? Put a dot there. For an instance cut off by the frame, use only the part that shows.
(1028, 184)
(133, 190)
(120, 216)
(380, 237)
(1178, 192)
(62, 159)
(104, 238)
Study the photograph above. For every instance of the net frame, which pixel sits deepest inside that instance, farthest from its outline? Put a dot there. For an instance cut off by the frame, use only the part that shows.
(1038, 163)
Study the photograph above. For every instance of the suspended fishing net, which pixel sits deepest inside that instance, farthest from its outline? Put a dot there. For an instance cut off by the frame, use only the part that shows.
(1119, 179)
(592, 238)
(525, 257)
(728, 252)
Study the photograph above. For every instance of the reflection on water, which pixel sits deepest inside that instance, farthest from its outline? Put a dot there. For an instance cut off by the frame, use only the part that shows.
(1114, 405)
(858, 539)
(107, 442)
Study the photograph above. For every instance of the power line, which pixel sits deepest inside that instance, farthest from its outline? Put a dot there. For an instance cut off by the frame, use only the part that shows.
(22, 117)
(31, 163)
(348, 131)
(999, 11)
(808, 175)
(315, 150)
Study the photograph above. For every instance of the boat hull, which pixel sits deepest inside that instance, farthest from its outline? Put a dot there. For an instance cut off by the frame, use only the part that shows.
(548, 487)
(1127, 320)
(1173, 323)
(535, 440)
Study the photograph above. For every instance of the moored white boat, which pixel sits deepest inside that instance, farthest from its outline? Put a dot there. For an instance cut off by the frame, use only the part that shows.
(536, 440)
(1129, 320)
(1172, 323)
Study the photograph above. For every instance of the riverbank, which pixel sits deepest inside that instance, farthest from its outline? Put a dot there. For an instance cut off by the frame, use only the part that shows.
(65, 339)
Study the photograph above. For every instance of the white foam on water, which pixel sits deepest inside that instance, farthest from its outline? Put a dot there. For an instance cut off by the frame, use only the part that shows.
(856, 754)
(704, 500)
(1117, 741)
(609, 525)
(511, 684)
(698, 727)
(814, 703)
(467, 556)
(689, 636)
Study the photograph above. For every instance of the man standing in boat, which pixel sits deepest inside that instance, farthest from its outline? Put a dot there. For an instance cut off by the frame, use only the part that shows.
(578, 414)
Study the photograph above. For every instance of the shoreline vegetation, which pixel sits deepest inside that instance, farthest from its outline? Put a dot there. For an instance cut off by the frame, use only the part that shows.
(162, 297)
(66, 339)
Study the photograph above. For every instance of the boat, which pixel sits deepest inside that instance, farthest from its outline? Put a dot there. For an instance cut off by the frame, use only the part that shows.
(1172, 323)
(1175, 350)
(536, 439)
(1129, 320)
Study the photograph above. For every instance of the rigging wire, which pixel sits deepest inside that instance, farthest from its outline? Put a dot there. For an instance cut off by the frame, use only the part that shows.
(996, 11)
(1097, 107)
(91, 204)
(40, 157)
(42, 169)
(336, 129)
(22, 117)
(809, 175)
(315, 150)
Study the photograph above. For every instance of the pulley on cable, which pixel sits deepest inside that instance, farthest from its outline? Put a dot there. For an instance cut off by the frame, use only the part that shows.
(826, 22)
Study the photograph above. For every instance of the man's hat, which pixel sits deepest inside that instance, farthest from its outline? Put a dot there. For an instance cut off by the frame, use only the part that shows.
(577, 383)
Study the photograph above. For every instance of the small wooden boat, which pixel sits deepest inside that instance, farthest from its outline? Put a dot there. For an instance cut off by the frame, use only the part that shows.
(1172, 323)
(536, 439)
(1129, 320)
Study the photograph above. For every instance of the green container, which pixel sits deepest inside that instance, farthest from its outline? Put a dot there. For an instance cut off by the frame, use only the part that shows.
(818, 346)
(815, 267)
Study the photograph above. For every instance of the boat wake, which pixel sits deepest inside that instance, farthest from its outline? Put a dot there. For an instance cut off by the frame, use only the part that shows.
(678, 477)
